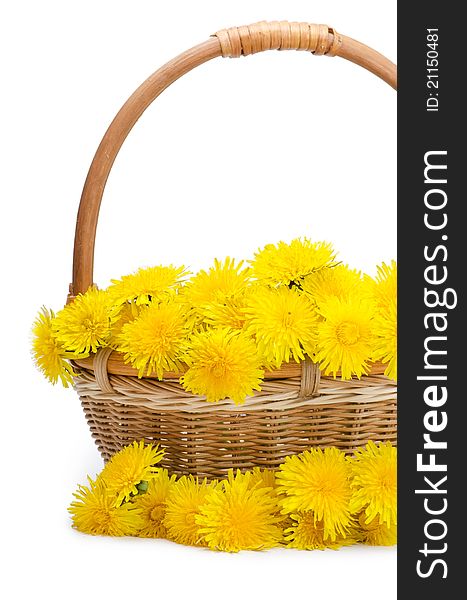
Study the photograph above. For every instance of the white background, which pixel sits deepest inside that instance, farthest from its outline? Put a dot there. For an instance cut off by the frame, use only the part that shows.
(237, 154)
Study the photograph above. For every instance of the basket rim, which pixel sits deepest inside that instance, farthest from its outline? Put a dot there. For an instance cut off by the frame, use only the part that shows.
(279, 395)
(116, 365)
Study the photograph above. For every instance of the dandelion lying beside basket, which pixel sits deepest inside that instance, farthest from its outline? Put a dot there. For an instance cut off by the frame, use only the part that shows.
(316, 500)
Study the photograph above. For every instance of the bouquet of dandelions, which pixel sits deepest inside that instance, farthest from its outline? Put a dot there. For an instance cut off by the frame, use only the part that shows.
(220, 329)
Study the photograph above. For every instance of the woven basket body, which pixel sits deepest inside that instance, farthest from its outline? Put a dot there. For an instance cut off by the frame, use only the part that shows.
(206, 440)
(297, 407)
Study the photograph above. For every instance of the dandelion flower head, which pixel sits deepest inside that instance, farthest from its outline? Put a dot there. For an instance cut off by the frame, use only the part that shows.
(375, 533)
(48, 353)
(129, 467)
(146, 285)
(85, 324)
(385, 338)
(344, 337)
(153, 342)
(283, 322)
(339, 281)
(383, 288)
(239, 516)
(222, 364)
(94, 511)
(286, 264)
(263, 477)
(318, 480)
(374, 482)
(306, 533)
(217, 296)
(184, 500)
(153, 504)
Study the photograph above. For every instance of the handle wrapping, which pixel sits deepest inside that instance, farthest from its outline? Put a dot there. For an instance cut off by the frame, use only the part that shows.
(278, 35)
(232, 42)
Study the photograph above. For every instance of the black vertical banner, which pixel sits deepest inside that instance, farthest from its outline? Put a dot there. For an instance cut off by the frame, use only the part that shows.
(432, 332)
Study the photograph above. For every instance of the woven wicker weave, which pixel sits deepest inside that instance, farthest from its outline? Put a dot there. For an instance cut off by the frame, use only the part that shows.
(297, 407)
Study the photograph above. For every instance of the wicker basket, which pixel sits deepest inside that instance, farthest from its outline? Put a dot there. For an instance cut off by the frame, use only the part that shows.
(297, 407)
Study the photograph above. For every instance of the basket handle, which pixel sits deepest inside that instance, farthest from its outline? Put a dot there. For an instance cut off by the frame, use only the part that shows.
(233, 42)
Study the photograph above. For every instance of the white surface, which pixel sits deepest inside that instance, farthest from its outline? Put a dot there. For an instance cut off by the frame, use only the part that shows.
(231, 157)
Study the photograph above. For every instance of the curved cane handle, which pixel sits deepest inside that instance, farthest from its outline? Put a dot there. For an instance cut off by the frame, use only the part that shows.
(233, 42)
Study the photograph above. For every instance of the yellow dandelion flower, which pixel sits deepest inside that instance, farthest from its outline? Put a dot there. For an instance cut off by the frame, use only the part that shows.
(94, 511)
(375, 533)
(226, 279)
(85, 325)
(284, 322)
(385, 342)
(222, 364)
(183, 505)
(146, 285)
(374, 482)
(284, 263)
(128, 313)
(153, 504)
(217, 296)
(339, 281)
(318, 480)
(231, 313)
(263, 477)
(239, 516)
(344, 340)
(383, 288)
(266, 478)
(129, 467)
(286, 524)
(306, 533)
(153, 342)
(48, 353)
